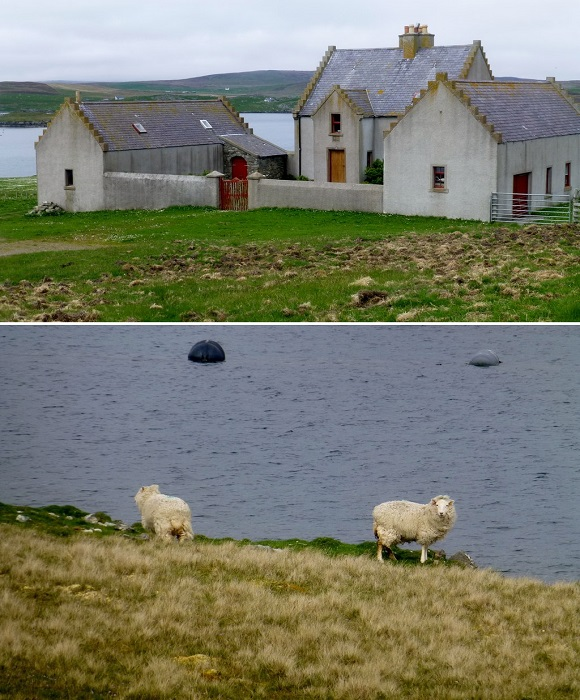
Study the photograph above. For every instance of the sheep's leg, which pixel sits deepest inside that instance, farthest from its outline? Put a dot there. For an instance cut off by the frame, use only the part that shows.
(379, 550)
(380, 547)
(423, 553)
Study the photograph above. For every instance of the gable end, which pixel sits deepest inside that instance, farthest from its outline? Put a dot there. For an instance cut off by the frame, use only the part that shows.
(475, 49)
(451, 85)
(315, 78)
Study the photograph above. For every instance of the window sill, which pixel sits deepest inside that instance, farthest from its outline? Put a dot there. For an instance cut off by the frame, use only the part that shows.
(440, 190)
(69, 187)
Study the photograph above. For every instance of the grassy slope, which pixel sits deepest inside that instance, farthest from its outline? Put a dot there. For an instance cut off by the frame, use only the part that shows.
(187, 264)
(93, 616)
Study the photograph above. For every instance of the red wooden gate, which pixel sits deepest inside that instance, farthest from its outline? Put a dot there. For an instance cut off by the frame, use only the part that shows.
(234, 194)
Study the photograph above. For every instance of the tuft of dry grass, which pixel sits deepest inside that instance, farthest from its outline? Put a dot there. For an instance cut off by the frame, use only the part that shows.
(123, 618)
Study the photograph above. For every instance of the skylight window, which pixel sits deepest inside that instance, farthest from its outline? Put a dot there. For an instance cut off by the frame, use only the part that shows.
(139, 128)
(205, 124)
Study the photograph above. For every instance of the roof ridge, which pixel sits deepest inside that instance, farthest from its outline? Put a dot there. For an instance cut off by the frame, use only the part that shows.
(442, 79)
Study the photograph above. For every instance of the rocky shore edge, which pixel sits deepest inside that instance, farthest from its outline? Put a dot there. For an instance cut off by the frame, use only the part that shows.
(66, 521)
(24, 124)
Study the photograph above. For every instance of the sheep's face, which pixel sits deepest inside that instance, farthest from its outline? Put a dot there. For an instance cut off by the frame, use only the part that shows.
(444, 505)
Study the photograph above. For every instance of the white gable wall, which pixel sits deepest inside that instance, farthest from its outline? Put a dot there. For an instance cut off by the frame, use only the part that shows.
(348, 140)
(479, 70)
(69, 145)
(439, 131)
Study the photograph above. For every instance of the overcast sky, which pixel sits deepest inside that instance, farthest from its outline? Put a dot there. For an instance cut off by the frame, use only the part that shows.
(117, 40)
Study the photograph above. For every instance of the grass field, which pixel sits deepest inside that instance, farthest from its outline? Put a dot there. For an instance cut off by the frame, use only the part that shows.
(88, 615)
(188, 264)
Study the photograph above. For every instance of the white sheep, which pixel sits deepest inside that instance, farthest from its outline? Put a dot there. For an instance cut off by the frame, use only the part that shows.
(404, 521)
(166, 516)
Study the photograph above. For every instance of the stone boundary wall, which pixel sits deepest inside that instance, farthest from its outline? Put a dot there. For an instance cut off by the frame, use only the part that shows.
(326, 196)
(150, 191)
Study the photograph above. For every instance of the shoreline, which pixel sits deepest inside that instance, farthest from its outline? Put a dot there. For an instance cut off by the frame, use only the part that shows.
(24, 125)
(68, 520)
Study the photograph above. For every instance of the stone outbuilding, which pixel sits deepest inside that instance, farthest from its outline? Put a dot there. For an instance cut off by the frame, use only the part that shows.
(459, 142)
(87, 140)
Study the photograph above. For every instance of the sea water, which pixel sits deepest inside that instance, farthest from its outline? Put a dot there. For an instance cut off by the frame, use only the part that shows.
(304, 428)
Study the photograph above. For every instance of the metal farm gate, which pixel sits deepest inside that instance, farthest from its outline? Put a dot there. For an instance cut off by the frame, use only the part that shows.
(534, 208)
(234, 195)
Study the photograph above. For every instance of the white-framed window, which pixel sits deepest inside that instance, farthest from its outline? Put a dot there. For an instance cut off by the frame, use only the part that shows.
(205, 124)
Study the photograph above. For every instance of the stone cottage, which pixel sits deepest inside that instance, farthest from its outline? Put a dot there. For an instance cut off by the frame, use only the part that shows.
(87, 140)
(356, 94)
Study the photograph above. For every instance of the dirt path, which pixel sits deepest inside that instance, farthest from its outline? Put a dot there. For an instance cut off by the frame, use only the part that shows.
(20, 247)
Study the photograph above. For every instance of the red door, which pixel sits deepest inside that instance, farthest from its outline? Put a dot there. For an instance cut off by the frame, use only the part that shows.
(239, 168)
(521, 201)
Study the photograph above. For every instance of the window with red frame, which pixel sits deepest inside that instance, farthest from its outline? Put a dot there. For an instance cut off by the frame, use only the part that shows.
(335, 123)
(438, 177)
(548, 180)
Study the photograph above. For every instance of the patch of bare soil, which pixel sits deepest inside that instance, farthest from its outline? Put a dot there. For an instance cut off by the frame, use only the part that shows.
(20, 247)
(516, 261)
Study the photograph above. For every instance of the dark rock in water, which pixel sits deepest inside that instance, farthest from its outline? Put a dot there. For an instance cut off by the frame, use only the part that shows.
(207, 351)
(485, 358)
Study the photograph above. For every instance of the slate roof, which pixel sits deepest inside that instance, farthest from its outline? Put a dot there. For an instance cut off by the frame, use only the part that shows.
(523, 111)
(389, 80)
(254, 145)
(168, 124)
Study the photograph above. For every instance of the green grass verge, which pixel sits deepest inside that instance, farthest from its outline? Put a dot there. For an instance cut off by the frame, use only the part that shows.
(275, 265)
(70, 521)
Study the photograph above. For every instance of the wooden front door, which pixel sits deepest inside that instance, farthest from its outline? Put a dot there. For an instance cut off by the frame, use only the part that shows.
(336, 166)
(521, 202)
(239, 168)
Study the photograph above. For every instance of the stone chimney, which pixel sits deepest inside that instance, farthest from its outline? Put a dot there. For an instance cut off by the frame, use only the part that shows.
(415, 37)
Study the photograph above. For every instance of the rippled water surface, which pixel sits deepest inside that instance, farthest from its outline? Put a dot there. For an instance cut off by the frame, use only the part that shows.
(304, 429)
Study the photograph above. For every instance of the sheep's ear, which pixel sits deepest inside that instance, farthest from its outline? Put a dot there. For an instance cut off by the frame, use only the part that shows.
(451, 502)
(433, 502)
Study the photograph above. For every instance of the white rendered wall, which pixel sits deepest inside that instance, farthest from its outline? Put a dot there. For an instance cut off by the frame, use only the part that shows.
(440, 131)
(68, 145)
(348, 140)
(150, 191)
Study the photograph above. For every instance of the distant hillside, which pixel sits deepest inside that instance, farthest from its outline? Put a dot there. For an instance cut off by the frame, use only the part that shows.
(32, 103)
(10, 86)
(260, 81)
(272, 83)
